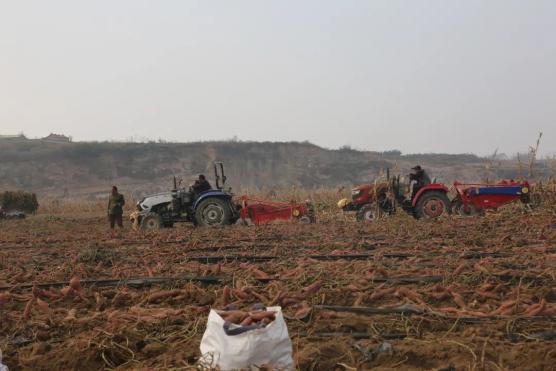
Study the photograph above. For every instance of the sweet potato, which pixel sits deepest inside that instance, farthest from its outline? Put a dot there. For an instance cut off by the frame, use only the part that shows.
(259, 297)
(487, 295)
(237, 317)
(27, 310)
(503, 308)
(481, 268)
(535, 309)
(218, 269)
(379, 294)
(353, 288)
(42, 305)
(157, 296)
(247, 321)
(460, 269)
(362, 282)
(475, 313)
(99, 300)
(36, 291)
(239, 294)
(4, 297)
(75, 284)
(276, 297)
(259, 274)
(70, 316)
(458, 299)
(51, 293)
(549, 311)
(487, 286)
(289, 301)
(266, 321)
(227, 313)
(290, 273)
(507, 311)
(412, 295)
(330, 315)
(226, 296)
(303, 310)
(258, 316)
(312, 288)
(359, 300)
(451, 310)
(498, 287)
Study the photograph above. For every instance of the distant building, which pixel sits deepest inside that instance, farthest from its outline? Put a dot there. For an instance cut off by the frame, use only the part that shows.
(56, 138)
(18, 137)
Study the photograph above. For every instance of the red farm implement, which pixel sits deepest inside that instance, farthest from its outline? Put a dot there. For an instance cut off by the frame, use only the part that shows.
(257, 211)
(370, 201)
(475, 198)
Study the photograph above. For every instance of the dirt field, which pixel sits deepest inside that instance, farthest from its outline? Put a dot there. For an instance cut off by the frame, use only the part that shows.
(457, 294)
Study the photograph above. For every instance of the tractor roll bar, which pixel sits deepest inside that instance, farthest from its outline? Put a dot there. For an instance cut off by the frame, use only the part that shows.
(219, 175)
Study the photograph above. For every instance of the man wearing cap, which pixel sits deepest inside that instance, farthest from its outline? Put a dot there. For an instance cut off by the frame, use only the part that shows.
(418, 179)
(115, 208)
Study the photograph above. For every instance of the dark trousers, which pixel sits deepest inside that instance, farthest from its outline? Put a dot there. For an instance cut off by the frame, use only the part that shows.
(115, 218)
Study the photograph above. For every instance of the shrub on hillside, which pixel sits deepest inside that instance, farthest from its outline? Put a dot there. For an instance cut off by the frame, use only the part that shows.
(19, 200)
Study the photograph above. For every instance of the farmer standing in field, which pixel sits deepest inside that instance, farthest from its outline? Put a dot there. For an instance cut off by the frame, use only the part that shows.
(115, 208)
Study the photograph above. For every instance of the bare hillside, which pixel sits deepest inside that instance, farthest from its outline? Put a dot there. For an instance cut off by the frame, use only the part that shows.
(79, 169)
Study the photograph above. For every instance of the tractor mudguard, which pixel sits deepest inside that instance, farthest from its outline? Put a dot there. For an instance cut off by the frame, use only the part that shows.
(429, 187)
(209, 194)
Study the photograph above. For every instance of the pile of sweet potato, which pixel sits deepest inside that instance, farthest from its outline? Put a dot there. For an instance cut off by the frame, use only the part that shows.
(248, 317)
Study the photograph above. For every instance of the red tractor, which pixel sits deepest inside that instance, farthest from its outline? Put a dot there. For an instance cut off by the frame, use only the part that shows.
(370, 201)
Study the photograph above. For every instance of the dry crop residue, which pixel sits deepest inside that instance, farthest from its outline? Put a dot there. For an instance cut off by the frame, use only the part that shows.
(468, 293)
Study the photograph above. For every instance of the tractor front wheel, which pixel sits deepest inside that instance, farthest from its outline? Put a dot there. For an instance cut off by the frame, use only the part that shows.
(151, 222)
(213, 211)
(433, 204)
(367, 212)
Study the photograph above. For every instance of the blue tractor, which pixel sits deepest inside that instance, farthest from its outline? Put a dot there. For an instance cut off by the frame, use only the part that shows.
(209, 208)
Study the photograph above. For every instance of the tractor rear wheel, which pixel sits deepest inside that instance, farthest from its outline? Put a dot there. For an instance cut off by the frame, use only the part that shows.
(213, 211)
(433, 204)
(151, 222)
(367, 212)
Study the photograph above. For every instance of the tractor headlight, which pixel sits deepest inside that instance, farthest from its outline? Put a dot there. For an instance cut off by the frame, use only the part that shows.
(138, 206)
(524, 190)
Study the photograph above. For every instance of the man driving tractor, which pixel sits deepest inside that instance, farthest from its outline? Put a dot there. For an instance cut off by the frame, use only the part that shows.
(201, 185)
(418, 178)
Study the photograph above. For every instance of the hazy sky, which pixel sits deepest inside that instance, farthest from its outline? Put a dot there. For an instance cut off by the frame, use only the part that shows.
(419, 76)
